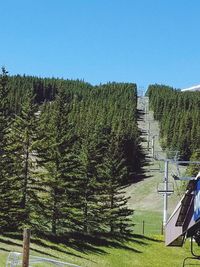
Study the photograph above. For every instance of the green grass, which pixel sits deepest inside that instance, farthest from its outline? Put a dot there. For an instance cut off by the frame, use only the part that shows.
(139, 251)
(148, 221)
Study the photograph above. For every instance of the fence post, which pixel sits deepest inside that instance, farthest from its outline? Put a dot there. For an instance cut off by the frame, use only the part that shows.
(26, 247)
(143, 227)
(162, 228)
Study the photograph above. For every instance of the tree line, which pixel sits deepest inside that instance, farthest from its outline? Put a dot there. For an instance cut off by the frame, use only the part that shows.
(178, 114)
(67, 151)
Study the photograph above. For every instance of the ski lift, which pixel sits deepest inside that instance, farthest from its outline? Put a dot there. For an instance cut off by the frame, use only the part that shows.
(177, 178)
(161, 188)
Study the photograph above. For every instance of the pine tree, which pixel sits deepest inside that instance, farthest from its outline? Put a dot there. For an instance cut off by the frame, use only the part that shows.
(91, 189)
(118, 214)
(59, 162)
(21, 137)
(7, 204)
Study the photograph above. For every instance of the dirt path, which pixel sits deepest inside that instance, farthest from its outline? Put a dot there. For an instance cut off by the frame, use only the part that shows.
(143, 195)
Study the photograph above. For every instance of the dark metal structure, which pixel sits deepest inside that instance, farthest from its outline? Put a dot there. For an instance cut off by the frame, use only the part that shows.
(194, 256)
(185, 220)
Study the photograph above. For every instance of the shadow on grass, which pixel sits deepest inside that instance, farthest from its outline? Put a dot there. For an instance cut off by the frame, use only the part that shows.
(4, 249)
(142, 159)
(146, 238)
(141, 173)
(91, 243)
(95, 244)
(9, 242)
(140, 115)
(16, 236)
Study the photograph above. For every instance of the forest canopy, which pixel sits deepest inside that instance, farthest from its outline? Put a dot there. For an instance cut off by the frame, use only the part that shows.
(179, 116)
(67, 150)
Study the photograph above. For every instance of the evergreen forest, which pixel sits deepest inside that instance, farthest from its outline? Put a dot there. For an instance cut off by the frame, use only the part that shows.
(179, 116)
(68, 149)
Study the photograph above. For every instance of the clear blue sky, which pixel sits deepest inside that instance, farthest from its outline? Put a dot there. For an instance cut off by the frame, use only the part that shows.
(142, 41)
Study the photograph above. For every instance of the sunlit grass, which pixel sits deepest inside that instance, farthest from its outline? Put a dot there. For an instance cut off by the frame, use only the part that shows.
(139, 251)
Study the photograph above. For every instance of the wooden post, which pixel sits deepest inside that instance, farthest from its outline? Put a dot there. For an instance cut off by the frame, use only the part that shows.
(152, 147)
(162, 228)
(143, 227)
(26, 247)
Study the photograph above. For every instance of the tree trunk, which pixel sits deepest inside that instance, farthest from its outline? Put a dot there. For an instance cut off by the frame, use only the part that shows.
(54, 215)
(26, 174)
(85, 218)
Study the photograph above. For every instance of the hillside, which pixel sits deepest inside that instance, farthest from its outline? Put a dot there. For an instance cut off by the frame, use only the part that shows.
(144, 199)
(178, 115)
(73, 156)
(67, 149)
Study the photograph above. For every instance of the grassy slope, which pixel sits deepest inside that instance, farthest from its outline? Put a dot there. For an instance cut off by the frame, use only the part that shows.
(139, 251)
(144, 199)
